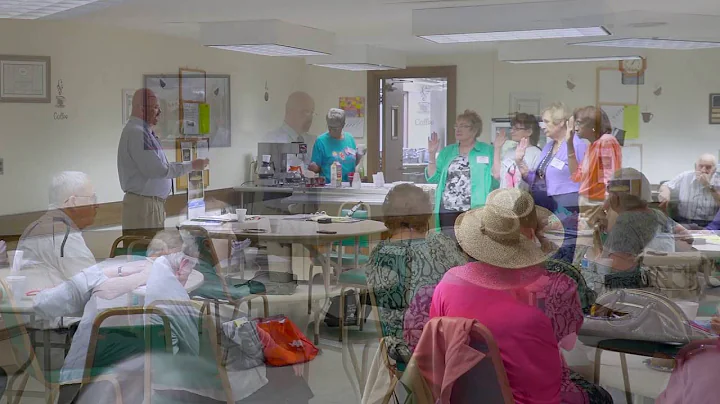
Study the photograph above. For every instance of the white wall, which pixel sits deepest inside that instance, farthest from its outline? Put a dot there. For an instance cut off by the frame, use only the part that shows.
(671, 142)
(95, 64)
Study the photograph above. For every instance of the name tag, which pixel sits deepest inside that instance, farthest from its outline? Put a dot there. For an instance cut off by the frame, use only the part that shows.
(557, 163)
(482, 160)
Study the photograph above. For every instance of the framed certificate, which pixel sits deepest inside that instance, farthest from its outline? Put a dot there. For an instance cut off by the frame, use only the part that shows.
(24, 78)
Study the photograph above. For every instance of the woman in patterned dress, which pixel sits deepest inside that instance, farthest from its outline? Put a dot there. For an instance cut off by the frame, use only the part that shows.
(462, 172)
(410, 260)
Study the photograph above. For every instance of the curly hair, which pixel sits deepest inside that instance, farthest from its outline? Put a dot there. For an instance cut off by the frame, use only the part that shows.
(407, 206)
(473, 119)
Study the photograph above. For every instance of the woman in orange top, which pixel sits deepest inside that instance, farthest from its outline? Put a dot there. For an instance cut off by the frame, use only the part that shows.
(602, 159)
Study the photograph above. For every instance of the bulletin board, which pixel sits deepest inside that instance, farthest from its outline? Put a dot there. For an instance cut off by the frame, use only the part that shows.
(619, 101)
(192, 84)
(218, 100)
(189, 149)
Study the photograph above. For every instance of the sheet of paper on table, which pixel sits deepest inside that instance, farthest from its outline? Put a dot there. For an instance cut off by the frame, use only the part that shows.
(709, 238)
(204, 223)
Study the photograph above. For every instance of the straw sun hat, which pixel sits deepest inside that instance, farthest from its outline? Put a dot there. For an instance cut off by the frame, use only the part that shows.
(492, 235)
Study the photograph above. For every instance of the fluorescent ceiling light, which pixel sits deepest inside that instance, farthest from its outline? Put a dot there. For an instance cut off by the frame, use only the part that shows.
(360, 58)
(652, 43)
(566, 60)
(517, 35)
(356, 67)
(267, 37)
(268, 50)
(35, 9)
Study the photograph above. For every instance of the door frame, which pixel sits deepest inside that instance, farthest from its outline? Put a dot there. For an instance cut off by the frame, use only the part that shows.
(373, 104)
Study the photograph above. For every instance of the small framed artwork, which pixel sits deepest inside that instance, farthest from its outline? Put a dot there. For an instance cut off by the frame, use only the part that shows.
(714, 109)
(24, 78)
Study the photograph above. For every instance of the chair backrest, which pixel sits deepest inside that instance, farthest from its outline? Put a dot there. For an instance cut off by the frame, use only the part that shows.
(116, 249)
(487, 381)
(214, 285)
(112, 344)
(363, 212)
(139, 247)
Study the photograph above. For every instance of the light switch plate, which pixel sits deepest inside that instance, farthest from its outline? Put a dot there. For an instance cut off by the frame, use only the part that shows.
(2, 167)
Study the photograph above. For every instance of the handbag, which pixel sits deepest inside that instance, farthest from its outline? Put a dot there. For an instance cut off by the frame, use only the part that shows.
(290, 346)
(675, 275)
(241, 345)
(650, 317)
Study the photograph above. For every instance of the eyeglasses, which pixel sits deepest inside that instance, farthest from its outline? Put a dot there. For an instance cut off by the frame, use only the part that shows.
(517, 128)
(462, 127)
(90, 198)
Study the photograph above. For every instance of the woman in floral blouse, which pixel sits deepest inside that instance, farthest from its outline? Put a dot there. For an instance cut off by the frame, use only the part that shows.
(410, 260)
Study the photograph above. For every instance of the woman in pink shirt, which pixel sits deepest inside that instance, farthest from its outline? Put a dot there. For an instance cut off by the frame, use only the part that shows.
(483, 290)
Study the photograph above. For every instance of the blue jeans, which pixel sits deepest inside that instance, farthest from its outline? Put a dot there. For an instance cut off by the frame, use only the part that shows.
(568, 210)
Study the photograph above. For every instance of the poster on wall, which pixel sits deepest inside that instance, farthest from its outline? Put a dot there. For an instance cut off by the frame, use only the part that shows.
(625, 117)
(354, 108)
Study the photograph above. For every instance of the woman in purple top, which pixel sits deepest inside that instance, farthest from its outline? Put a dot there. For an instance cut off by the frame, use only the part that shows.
(551, 185)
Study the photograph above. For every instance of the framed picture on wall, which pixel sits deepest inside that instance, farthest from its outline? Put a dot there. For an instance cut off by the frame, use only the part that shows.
(127, 96)
(714, 109)
(24, 79)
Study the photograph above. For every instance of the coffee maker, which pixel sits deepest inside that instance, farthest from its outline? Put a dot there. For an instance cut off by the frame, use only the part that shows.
(280, 154)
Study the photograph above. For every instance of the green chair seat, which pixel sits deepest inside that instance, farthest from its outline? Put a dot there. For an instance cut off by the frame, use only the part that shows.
(355, 276)
(349, 258)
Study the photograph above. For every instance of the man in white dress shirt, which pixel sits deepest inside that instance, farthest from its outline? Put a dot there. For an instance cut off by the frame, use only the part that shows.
(53, 247)
(299, 113)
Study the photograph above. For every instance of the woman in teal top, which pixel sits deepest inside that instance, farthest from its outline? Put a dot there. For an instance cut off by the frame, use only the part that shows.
(463, 172)
(334, 146)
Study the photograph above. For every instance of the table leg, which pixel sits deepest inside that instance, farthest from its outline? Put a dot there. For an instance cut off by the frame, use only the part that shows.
(626, 378)
(327, 269)
(596, 371)
(357, 251)
(46, 349)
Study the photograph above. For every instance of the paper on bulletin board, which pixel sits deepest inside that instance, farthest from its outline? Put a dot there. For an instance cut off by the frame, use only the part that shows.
(191, 118)
(355, 127)
(631, 118)
(203, 149)
(625, 117)
(204, 118)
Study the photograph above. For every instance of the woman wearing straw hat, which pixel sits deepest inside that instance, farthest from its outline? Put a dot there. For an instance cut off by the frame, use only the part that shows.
(484, 290)
(564, 294)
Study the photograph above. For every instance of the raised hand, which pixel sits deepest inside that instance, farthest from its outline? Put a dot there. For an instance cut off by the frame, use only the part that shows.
(570, 127)
(433, 145)
(500, 139)
(521, 149)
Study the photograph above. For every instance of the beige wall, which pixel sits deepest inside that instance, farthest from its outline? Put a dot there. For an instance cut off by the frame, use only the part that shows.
(671, 142)
(96, 63)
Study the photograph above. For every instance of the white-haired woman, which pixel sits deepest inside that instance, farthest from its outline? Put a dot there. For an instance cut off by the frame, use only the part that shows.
(335, 146)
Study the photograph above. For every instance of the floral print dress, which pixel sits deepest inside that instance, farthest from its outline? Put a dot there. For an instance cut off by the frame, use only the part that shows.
(456, 195)
(397, 270)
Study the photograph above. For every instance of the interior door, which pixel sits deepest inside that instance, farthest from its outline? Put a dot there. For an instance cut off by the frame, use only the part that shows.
(393, 115)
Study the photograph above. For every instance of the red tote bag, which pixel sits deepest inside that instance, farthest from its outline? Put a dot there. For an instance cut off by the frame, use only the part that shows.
(290, 346)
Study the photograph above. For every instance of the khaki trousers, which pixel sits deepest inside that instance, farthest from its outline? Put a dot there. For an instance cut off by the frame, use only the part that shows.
(142, 215)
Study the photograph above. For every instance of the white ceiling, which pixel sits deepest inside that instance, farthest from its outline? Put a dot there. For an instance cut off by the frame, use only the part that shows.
(388, 23)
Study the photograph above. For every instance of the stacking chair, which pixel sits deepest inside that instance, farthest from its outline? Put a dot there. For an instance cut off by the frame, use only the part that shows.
(214, 290)
(121, 246)
(22, 350)
(348, 263)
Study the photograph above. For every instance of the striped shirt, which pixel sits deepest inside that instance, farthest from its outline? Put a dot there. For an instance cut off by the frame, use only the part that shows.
(696, 201)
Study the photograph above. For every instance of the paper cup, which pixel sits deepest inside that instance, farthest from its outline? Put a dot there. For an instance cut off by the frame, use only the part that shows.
(275, 225)
(240, 214)
(17, 285)
(689, 308)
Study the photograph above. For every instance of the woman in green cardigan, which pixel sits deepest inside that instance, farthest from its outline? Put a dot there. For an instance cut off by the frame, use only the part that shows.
(463, 172)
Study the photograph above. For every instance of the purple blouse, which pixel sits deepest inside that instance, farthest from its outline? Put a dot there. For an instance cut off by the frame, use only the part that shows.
(557, 178)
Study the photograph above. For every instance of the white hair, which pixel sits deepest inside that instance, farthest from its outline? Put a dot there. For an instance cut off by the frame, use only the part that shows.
(64, 185)
(169, 241)
(335, 118)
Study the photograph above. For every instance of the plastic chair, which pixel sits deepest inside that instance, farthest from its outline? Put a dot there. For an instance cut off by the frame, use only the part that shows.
(485, 383)
(116, 250)
(21, 347)
(200, 369)
(214, 290)
(340, 259)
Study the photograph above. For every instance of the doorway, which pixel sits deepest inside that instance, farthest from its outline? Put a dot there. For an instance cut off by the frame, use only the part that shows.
(404, 108)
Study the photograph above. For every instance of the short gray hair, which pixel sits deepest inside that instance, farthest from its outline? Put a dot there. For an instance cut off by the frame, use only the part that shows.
(64, 185)
(335, 118)
(168, 241)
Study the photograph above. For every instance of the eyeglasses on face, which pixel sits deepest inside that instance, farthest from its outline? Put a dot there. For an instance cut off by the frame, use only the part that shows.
(518, 128)
(462, 127)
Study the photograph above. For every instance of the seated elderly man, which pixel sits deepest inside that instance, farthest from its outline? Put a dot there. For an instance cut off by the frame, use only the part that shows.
(106, 285)
(633, 227)
(53, 246)
(696, 192)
